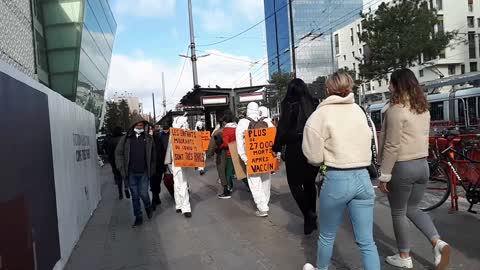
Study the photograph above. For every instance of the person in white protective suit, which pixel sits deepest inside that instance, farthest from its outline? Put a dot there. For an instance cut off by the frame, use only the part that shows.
(265, 116)
(259, 184)
(200, 126)
(180, 183)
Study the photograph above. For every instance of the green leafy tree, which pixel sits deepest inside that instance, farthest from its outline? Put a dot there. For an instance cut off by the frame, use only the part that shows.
(277, 88)
(112, 116)
(124, 114)
(317, 88)
(397, 34)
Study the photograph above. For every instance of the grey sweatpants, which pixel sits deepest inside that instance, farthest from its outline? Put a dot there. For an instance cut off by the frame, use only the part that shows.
(407, 187)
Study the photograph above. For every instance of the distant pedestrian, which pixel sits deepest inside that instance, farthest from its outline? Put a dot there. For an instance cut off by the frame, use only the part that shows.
(200, 126)
(180, 176)
(296, 108)
(265, 115)
(215, 149)
(228, 137)
(404, 169)
(259, 184)
(338, 135)
(135, 157)
(110, 145)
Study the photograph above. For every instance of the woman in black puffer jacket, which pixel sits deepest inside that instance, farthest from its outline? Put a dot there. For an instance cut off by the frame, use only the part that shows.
(296, 107)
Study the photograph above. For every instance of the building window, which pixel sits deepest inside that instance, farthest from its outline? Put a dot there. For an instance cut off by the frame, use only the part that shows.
(442, 54)
(355, 69)
(440, 26)
(462, 69)
(471, 45)
(351, 36)
(470, 5)
(431, 4)
(337, 44)
(451, 70)
(360, 52)
(473, 66)
(344, 57)
(420, 72)
(478, 22)
(353, 54)
(471, 21)
(436, 111)
(379, 83)
(439, 4)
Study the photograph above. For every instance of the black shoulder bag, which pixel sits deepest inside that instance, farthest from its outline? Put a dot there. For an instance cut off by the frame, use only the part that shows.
(373, 168)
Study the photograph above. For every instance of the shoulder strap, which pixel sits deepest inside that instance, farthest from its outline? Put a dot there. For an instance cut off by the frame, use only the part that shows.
(374, 135)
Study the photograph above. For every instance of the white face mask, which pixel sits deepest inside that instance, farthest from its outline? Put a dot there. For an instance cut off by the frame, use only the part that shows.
(138, 130)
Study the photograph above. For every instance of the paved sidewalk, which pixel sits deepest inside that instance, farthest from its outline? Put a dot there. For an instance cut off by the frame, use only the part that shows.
(225, 234)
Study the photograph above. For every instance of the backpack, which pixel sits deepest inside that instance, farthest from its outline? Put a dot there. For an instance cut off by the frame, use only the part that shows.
(257, 124)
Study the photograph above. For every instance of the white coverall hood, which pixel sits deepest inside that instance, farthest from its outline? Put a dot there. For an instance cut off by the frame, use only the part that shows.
(252, 110)
(180, 122)
(263, 111)
(199, 125)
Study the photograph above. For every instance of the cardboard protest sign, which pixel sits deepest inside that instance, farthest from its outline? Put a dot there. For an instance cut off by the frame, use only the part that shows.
(238, 165)
(258, 145)
(205, 135)
(187, 148)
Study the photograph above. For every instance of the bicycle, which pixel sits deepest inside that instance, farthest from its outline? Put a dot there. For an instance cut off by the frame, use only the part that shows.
(451, 165)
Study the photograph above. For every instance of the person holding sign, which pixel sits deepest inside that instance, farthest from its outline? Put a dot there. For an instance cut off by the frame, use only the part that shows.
(259, 183)
(200, 126)
(297, 106)
(180, 184)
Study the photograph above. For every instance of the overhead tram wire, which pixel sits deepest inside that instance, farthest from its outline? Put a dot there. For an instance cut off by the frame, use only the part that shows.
(246, 30)
(181, 73)
(297, 47)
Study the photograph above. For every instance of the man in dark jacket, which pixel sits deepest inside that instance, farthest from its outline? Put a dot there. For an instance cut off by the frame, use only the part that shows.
(110, 144)
(161, 143)
(135, 158)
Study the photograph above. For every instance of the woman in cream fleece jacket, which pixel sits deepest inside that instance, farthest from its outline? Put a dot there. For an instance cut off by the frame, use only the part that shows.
(337, 134)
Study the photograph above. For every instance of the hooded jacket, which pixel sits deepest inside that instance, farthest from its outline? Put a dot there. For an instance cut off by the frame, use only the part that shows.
(122, 152)
(179, 122)
(337, 134)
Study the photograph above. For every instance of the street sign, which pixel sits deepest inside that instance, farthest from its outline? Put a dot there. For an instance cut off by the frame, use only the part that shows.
(251, 97)
(214, 100)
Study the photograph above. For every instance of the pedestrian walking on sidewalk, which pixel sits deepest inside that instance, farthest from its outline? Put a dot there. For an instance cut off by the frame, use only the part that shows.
(338, 135)
(215, 149)
(404, 169)
(111, 145)
(180, 183)
(259, 184)
(296, 108)
(135, 157)
(228, 136)
(160, 137)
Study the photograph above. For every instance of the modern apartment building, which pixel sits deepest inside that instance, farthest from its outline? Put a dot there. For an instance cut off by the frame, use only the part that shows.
(65, 44)
(460, 58)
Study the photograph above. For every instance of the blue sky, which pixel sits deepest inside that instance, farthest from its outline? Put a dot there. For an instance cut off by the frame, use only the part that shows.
(152, 33)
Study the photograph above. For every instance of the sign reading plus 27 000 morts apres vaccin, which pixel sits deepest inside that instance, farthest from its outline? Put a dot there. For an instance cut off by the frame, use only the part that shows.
(258, 145)
(187, 148)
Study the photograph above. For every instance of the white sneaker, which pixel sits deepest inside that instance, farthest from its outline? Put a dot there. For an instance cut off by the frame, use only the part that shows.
(309, 267)
(442, 255)
(398, 261)
(261, 213)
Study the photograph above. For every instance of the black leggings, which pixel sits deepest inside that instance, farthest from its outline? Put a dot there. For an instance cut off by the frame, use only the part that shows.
(301, 179)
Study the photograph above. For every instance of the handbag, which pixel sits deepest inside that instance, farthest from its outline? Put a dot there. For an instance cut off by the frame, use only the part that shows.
(373, 169)
(168, 181)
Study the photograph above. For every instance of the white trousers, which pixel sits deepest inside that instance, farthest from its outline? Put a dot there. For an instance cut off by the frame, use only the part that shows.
(180, 188)
(260, 188)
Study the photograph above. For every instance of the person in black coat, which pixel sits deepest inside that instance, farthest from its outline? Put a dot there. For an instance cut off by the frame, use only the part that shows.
(110, 146)
(161, 139)
(296, 108)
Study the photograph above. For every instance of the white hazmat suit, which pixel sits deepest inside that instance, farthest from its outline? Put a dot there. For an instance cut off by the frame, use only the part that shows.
(199, 126)
(259, 184)
(263, 111)
(180, 183)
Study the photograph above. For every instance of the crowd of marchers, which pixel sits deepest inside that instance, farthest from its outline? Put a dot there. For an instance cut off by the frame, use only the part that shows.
(335, 137)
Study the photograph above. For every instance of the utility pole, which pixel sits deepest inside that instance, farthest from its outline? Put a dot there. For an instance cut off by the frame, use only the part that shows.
(292, 40)
(154, 114)
(192, 45)
(163, 93)
(331, 37)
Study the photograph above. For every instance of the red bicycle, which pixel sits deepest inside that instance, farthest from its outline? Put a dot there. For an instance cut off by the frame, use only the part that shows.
(453, 164)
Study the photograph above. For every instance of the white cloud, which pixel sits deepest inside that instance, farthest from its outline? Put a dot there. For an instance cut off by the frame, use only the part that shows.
(141, 76)
(146, 8)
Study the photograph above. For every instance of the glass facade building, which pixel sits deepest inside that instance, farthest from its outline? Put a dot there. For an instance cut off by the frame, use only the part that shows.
(313, 23)
(73, 43)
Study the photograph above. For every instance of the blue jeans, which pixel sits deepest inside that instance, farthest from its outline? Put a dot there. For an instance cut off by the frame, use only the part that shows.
(352, 190)
(139, 188)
